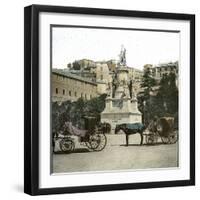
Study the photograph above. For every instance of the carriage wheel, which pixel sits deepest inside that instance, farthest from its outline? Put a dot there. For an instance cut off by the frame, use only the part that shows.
(165, 140)
(173, 138)
(67, 145)
(97, 142)
(102, 141)
(92, 142)
(151, 138)
(88, 145)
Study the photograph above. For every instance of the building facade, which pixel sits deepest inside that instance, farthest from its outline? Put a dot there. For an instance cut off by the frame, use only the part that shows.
(159, 70)
(103, 77)
(136, 76)
(164, 68)
(66, 86)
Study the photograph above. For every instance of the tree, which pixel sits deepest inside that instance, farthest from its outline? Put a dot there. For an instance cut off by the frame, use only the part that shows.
(148, 82)
(164, 102)
(76, 65)
(69, 65)
(144, 97)
(95, 106)
(75, 112)
(168, 93)
(161, 100)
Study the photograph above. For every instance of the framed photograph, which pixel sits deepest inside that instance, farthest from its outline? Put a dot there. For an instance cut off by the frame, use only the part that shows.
(109, 99)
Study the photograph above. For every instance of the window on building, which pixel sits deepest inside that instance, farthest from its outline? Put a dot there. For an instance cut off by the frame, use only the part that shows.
(81, 95)
(56, 90)
(85, 96)
(70, 93)
(101, 77)
(90, 96)
(75, 94)
(63, 91)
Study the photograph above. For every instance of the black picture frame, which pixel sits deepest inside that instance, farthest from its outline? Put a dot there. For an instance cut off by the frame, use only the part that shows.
(31, 98)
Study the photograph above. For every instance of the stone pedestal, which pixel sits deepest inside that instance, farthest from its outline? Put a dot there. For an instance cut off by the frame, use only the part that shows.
(118, 111)
(121, 108)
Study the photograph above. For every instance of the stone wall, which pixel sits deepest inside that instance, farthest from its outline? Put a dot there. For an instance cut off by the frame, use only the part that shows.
(70, 87)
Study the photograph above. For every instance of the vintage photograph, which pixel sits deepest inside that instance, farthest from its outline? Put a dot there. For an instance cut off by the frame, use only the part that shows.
(114, 99)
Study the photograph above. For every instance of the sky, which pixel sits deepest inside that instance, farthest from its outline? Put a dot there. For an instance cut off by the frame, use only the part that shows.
(142, 47)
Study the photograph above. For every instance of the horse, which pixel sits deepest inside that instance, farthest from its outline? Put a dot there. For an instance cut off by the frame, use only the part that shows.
(104, 127)
(131, 128)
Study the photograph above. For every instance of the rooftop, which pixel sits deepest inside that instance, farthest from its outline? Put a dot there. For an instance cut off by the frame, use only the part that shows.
(72, 76)
(167, 64)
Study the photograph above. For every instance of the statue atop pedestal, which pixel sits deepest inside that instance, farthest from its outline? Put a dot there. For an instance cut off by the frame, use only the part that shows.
(121, 101)
(122, 56)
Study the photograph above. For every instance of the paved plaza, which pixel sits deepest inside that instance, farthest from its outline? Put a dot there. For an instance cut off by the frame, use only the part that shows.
(116, 156)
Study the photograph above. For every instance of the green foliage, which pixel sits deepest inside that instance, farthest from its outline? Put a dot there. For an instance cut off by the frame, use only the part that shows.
(76, 111)
(162, 101)
(147, 80)
(147, 84)
(168, 93)
(69, 65)
(95, 106)
(144, 98)
(76, 65)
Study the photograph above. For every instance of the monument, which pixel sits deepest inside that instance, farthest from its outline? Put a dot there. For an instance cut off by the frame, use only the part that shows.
(121, 102)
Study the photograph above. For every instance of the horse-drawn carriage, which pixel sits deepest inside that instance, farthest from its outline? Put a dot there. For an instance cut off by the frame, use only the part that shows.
(159, 128)
(163, 128)
(93, 136)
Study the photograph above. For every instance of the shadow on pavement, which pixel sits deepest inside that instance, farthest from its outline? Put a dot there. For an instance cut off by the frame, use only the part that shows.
(81, 150)
(78, 150)
(135, 145)
(124, 145)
